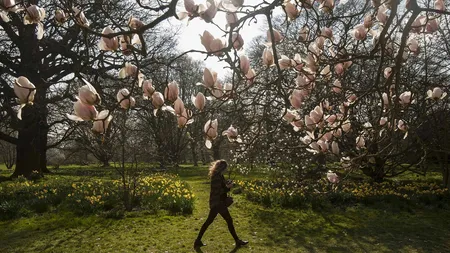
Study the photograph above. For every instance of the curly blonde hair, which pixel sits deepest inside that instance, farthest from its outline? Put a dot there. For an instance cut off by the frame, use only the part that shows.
(217, 167)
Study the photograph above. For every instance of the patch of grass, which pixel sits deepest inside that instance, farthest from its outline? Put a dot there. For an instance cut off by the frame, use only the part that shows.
(355, 229)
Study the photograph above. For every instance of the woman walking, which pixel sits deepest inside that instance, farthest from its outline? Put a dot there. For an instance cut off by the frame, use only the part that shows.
(217, 202)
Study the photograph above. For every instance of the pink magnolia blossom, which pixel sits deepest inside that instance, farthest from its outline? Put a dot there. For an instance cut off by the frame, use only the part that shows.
(60, 17)
(232, 134)
(326, 32)
(210, 12)
(360, 142)
(210, 130)
(172, 91)
(135, 23)
(80, 17)
(148, 89)
(185, 118)
(157, 99)
(316, 115)
(88, 94)
(102, 121)
(331, 119)
(34, 15)
(413, 45)
(127, 41)
(339, 69)
(290, 115)
(231, 5)
(232, 18)
(237, 40)
(383, 121)
(209, 78)
(337, 133)
(291, 10)
(419, 24)
(335, 148)
(199, 101)
(332, 177)
(327, 6)
(439, 5)
(359, 32)
(206, 40)
(178, 106)
(381, 14)
(405, 98)
(352, 98)
(267, 57)
(323, 145)
(402, 126)
(296, 99)
(436, 94)
(125, 100)
(303, 34)
(387, 72)
(83, 112)
(277, 37)
(326, 72)
(284, 62)
(244, 64)
(24, 90)
(217, 45)
(368, 23)
(346, 126)
(298, 125)
(432, 25)
(108, 44)
(337, 86)
(251, 76)
(131, 70)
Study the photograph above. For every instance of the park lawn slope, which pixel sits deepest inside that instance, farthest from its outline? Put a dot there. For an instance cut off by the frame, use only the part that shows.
(353, 229)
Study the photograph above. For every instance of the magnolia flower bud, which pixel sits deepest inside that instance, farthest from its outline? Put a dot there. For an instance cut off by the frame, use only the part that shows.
(436, 94)
(125, 100)
(244, 64)
(60, 17)
(199, 101)
(277, 37)
(88, 95)
(237, 41)
(210, 130)
(83, 112)
(332, 177)
(171, 92)
(148, 89)
(24, 90)
(102, 121)
(108, 44)
(178, 106)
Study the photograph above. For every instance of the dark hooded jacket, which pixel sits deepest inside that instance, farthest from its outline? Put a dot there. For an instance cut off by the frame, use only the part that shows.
(219, 191)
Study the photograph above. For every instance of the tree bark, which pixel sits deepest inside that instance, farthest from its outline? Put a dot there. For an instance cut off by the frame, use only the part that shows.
(31, 145)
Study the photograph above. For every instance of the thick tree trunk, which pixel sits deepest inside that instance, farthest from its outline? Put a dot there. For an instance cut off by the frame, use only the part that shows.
(33, 128)
(31, 145)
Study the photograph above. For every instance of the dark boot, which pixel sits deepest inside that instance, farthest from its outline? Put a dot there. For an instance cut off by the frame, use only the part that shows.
(198, 243)
(240, 242)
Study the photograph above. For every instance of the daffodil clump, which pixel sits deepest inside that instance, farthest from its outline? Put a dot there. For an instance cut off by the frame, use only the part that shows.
(292, 194)
(22, 197)
(165, 191)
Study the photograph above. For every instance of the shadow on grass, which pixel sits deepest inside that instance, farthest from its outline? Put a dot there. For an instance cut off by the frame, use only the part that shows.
(357, 229)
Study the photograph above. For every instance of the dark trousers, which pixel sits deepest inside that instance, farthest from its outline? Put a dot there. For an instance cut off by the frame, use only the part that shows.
(223, 211)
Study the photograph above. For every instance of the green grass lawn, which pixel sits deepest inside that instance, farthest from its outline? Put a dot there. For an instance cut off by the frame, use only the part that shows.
(355, 229)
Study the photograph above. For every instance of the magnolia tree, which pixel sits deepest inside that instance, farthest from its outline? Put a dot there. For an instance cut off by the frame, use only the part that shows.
(336, 72)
